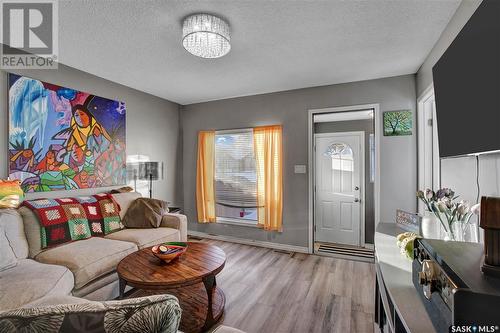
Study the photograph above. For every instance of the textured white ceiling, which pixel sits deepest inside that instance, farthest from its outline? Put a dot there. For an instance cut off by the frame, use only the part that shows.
(276, 45)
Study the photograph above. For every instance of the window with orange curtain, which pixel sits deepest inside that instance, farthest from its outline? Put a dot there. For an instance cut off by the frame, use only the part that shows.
(239, 177)
(268, 146)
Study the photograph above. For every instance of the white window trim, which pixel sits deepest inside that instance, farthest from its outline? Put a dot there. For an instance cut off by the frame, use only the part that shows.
(239, 222)
(427, 148)
(233, 131)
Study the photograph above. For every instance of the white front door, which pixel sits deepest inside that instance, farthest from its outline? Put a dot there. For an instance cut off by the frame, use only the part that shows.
(339, 176)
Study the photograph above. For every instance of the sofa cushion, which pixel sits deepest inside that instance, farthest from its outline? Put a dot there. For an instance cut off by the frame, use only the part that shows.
(158, 313)
(146, 237)
(106, 287)
(31, 280)
(12, 222)
(124, 200)
(88, 259)
(7, 257)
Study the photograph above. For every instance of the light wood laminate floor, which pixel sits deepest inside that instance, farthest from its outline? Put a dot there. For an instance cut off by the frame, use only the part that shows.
(268, 291)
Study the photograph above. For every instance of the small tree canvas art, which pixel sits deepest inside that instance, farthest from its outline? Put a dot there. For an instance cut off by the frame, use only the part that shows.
(398, 123)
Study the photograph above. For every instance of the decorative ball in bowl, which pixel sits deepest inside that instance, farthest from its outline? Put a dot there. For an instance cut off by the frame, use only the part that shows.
(169, 251)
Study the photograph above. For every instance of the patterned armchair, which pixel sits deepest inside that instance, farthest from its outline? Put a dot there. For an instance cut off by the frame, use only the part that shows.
(158, 313)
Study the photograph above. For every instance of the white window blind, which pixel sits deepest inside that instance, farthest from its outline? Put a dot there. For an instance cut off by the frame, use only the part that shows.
(235, 175)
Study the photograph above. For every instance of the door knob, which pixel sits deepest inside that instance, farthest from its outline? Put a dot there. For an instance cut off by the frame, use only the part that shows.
(357, 188)
(356, 200)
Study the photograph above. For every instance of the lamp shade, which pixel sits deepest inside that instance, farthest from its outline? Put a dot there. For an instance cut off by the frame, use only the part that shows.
(150, 170)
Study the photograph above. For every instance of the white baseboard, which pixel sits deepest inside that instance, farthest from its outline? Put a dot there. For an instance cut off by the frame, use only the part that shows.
(270, 245)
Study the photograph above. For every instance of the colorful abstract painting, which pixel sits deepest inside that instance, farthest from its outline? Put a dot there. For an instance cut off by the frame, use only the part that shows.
(64, 139)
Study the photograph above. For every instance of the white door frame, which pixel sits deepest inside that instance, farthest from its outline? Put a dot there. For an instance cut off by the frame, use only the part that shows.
(310, 125)
(422, 103)
(362, 176)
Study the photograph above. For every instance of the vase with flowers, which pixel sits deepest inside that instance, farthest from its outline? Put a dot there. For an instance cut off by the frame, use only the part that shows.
(453, 215)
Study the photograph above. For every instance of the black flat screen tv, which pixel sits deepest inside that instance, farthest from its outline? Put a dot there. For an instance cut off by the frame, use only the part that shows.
(467, 86)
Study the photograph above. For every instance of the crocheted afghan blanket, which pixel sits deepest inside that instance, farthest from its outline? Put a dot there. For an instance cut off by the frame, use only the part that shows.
(69, 219)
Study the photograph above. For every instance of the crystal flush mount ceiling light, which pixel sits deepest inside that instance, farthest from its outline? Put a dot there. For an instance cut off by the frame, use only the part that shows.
(206, 36)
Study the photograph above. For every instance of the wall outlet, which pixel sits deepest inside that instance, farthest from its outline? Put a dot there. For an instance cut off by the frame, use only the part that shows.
(299, 168)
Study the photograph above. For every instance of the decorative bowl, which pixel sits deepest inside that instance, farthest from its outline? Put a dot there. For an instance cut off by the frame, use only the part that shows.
(169, 251)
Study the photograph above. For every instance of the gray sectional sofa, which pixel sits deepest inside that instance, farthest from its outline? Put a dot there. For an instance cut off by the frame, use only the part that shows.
(74, 272)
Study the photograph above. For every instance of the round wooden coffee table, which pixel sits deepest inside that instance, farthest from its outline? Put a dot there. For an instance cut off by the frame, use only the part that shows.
(191, 278)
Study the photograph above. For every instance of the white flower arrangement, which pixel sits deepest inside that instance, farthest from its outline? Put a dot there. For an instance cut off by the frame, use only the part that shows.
(447, 208)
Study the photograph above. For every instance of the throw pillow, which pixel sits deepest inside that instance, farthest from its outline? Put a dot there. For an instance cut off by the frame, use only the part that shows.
(145, 213)
(158, 313)
(11, 193)
(7, 257)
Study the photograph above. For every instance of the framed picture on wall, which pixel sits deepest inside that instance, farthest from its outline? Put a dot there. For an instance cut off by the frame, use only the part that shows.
(64, 139)
(397, 123)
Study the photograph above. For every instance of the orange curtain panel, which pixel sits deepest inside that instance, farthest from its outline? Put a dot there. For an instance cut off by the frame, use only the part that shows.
(205, 173)
(268, 145)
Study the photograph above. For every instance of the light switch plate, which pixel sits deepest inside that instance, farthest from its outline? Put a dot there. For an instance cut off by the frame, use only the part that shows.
(299, 168)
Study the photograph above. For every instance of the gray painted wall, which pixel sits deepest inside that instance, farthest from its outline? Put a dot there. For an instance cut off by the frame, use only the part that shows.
(457, 22)
(290, 108)
(152, 126)
(366, 126)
